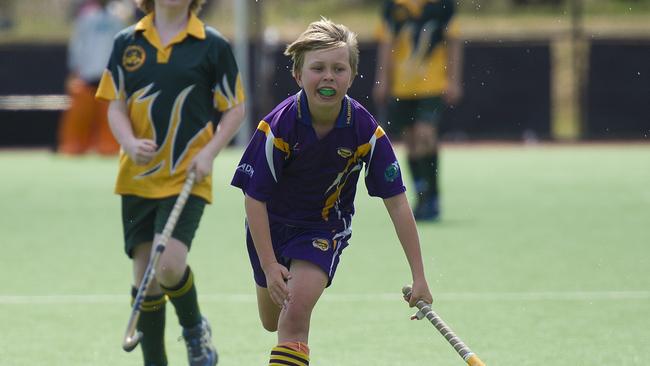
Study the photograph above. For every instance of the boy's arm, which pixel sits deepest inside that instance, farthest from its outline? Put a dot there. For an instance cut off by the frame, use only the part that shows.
(276, 274)
(402, 217)
(141, 151)
(381, 88)
(227, 127)
(454, 92)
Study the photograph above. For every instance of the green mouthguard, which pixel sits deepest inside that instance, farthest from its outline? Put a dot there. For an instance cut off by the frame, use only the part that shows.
(327, 92)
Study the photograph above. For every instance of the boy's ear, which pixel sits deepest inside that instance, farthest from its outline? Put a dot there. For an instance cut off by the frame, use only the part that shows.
(296, 77)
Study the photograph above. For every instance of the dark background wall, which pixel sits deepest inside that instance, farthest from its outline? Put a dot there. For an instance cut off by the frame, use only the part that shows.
(507, 90)
(618, 91)
(31, 69)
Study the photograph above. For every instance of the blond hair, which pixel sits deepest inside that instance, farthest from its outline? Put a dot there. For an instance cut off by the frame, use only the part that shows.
(148, 6)
(321, 35)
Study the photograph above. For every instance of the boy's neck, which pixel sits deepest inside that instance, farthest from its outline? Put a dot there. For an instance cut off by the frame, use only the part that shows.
(324, 117)
(169, 22)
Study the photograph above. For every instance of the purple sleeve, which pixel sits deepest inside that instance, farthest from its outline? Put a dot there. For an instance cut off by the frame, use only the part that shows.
(383, 172)
(260, 165)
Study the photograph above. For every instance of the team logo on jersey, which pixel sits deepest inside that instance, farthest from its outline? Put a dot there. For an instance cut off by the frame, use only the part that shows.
(392, 172)
(344, 152)
(246, 169)
(322, 244)
(133, 58)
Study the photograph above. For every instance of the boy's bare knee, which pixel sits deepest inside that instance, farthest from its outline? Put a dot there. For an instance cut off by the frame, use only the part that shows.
(296, 318)
(168, 275)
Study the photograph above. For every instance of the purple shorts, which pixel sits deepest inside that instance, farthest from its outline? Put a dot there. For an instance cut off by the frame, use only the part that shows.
(317, 246)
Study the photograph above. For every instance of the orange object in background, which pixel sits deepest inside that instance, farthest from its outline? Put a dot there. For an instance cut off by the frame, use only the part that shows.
(84, 125)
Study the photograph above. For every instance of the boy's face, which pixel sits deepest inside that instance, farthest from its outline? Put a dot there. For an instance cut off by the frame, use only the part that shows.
(325, 76)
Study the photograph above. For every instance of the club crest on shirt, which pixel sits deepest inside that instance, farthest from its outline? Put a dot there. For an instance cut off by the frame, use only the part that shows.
(392, 172)
(344, 152)
(322, 244)
(133, 57)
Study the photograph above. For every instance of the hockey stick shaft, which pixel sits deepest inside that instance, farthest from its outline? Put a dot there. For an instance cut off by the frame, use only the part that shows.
(425, 311)
(131, 336)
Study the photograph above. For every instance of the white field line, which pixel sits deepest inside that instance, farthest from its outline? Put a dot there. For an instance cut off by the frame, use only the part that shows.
(342, 298)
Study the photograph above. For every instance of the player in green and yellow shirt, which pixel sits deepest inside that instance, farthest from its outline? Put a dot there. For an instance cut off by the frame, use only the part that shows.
(167, 78)
(419, 73)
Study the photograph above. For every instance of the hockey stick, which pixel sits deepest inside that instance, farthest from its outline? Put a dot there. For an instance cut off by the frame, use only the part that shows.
(131, 336)
(425, 311)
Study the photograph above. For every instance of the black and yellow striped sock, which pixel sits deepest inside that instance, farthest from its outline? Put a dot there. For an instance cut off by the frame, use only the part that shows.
(152, 326)
(290, 354)
(185, 300)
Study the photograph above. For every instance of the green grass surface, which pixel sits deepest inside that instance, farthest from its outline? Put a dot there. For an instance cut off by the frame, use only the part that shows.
(542, 258)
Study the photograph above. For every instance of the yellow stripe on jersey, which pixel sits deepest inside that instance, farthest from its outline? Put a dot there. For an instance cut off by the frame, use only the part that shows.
(342, 177)
(379, 132)
(278, 142)
(139, 108)
(272, 141)
(160, 178)
(108, 89)
(417, 73)
(414, 6)
(224, 98)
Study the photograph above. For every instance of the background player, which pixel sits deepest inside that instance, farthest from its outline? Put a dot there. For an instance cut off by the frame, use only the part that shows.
(299, 174)
(166, 76)
(419, 65)
(84, 125)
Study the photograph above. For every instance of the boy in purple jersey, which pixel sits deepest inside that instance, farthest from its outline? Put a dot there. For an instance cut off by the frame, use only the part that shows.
(299, 174)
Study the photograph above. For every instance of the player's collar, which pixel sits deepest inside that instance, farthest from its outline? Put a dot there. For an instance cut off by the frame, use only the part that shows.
(194, 28)
(344, 118)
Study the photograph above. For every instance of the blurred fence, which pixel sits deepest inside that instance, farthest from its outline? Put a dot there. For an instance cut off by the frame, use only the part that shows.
(507, 91)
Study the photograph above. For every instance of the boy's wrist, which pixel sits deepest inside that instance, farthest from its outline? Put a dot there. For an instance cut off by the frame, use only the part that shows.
(419, 278)
(267, 265)
(212, 150)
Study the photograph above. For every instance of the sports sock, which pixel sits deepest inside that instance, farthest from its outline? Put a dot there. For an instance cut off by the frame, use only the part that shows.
(431, 167)
(185, 300)
(152, 326)
(418, 174)
(290, 353)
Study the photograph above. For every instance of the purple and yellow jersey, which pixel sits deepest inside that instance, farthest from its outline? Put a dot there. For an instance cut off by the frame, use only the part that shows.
(417, 30)
(310, 182)
(171, 93)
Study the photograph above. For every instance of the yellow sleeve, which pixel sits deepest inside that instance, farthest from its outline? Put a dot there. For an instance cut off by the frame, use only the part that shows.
(453, 28)
(107, 89)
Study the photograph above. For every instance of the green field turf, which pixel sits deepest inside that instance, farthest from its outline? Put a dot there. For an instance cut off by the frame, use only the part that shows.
(542, 258)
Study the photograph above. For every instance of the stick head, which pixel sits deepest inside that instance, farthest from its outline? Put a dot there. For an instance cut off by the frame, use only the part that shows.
(131, 341)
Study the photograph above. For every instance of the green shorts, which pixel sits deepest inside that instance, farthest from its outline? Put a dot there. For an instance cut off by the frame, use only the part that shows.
(142, 218)
(403, 113)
